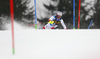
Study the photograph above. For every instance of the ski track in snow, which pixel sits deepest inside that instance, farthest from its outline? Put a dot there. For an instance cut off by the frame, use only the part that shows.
(51, 44)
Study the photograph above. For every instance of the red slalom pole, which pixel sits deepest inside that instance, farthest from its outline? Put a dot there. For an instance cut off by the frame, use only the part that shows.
(79, 14)
(12, 23)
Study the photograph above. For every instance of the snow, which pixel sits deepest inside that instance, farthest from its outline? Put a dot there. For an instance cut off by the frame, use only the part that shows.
(51, 44)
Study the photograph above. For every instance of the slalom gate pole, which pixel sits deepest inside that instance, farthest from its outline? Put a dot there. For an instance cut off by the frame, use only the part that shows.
(12, 23)
(73, 14)
(35, 15)
(79, 14)
(90, 24)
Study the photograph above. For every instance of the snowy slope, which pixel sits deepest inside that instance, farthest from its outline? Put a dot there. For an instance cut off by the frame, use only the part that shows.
(51, 44)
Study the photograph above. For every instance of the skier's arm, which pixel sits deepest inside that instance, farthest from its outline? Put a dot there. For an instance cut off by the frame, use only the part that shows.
(62, 22)
(51, 20)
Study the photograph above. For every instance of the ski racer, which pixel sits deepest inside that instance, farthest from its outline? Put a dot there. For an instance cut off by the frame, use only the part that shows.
(54, 21)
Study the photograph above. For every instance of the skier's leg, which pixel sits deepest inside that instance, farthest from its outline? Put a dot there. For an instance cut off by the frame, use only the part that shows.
(43, 27)
(47, 26)
(52, 27)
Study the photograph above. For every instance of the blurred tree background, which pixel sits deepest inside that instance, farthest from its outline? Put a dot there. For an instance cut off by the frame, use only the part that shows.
(97, 14)
(67, 7)
(88, 12)
(4, 8)
(24, 13)
(21, 9)
(4, 11)
(83, 13)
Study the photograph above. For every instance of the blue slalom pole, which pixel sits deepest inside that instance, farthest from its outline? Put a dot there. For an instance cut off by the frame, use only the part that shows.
(90, 24)
(73, 14)
(35, 14)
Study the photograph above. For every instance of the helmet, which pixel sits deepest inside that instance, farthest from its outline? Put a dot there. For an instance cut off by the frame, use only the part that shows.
(59, 13)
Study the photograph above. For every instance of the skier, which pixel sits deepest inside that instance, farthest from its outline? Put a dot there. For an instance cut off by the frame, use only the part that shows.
(54, 21)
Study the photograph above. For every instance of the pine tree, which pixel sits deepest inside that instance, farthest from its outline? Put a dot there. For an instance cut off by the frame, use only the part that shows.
(83, 14)
(4, 7)
(21, 9)
(97, 14)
